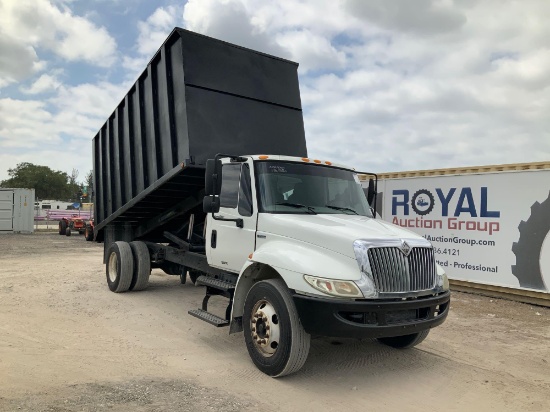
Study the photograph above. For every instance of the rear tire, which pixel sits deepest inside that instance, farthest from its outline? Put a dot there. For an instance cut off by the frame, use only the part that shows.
(62, 227)
(194, 275)
(89, 234)
(142, 266)
(119, 267)
(405, 342)
(275, 338)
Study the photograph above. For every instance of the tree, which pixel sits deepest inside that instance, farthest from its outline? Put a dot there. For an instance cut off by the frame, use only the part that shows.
(74, 188)
(89, 183)
(47, 183)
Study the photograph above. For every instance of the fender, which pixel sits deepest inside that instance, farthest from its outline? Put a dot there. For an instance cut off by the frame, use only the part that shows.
(276, 258)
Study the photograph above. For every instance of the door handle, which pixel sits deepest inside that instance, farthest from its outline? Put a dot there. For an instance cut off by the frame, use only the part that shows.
(214, 239)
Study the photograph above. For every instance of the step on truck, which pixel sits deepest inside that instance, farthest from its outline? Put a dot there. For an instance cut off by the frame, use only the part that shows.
(202, 171)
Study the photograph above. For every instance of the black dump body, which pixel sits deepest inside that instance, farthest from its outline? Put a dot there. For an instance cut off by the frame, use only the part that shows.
(197, 97)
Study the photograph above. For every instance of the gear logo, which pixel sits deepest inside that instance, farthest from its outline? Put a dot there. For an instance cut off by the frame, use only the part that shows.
(423, 202)
(528, 248)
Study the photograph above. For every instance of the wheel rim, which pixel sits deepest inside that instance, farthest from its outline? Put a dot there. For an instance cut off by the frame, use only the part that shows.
(265, 328)
(113, 265)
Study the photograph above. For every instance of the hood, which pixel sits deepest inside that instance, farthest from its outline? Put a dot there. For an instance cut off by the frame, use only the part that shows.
(335, 232)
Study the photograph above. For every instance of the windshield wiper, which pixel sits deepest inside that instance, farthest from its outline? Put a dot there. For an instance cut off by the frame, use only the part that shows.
(342, 208)
(309, 208)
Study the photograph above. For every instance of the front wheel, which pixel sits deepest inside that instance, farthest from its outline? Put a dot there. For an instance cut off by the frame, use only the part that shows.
(275, 338)
(405, 342)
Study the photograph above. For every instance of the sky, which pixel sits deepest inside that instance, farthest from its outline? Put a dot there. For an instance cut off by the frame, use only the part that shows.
(385, 85)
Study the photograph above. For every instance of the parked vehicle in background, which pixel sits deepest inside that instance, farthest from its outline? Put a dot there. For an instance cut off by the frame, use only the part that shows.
(203, 169)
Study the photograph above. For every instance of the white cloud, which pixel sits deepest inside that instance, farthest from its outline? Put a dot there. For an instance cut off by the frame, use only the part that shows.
(385, 86)
(229, 20)
(313, 51)
(37, 24)
(45, 83)
(406, 85)
(153, 31)
(17, 60)
(56, 132)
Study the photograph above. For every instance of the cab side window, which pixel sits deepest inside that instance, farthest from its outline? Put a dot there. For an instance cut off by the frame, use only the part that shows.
(245, 192)
(229, 195)
(236, 188)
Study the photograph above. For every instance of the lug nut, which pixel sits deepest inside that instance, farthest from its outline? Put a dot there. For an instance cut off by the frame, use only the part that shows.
(264, 318)
(255, 337)
(266, 327)
(253, 329)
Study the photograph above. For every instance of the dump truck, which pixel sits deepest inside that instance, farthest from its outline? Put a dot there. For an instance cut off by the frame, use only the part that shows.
(202, 171)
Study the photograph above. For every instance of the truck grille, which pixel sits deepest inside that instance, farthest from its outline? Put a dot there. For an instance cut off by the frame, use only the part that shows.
(394, 272)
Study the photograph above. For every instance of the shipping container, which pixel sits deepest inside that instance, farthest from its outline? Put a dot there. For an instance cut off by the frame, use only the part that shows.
(489, 225)
(16, 210)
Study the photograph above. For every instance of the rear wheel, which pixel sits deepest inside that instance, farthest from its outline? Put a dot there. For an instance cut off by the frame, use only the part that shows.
(274, 336)
(142, 266)
(89, 234)
(120, 267)
(405, 342)
(62, 227)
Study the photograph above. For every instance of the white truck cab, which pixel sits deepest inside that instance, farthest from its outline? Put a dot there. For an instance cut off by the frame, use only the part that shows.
(311, 259)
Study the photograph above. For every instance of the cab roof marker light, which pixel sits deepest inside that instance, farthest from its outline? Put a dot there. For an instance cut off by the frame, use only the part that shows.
(317, 161)
(305, 159)
(328, 163)
(263, 157)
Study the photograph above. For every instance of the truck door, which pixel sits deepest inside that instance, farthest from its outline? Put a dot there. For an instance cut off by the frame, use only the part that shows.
(228, 246)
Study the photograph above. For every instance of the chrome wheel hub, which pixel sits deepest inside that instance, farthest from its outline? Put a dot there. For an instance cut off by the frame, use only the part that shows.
(265, 329)
(113, 264)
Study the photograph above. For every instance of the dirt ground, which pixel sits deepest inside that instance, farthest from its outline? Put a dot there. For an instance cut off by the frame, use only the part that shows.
(69, 344)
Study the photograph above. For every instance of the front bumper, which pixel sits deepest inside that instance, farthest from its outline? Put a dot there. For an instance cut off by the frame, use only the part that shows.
(371, 318)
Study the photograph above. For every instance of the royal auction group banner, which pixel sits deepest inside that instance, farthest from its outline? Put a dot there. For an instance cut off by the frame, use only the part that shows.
(490, 228)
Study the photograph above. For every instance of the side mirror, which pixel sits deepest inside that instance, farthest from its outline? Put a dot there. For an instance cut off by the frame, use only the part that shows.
(211, 204)
(371, 193)
(213, 177)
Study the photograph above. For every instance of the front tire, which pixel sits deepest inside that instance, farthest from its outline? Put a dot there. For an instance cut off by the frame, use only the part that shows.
(275, 338)
(68, 231)
(120, 267)
(142, 266)
(405, 342)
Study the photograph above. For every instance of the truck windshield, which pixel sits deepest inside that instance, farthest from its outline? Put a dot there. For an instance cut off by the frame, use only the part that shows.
(288, 187)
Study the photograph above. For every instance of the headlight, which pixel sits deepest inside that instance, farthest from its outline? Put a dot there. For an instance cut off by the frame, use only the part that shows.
(341, 288)
(442, 279)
